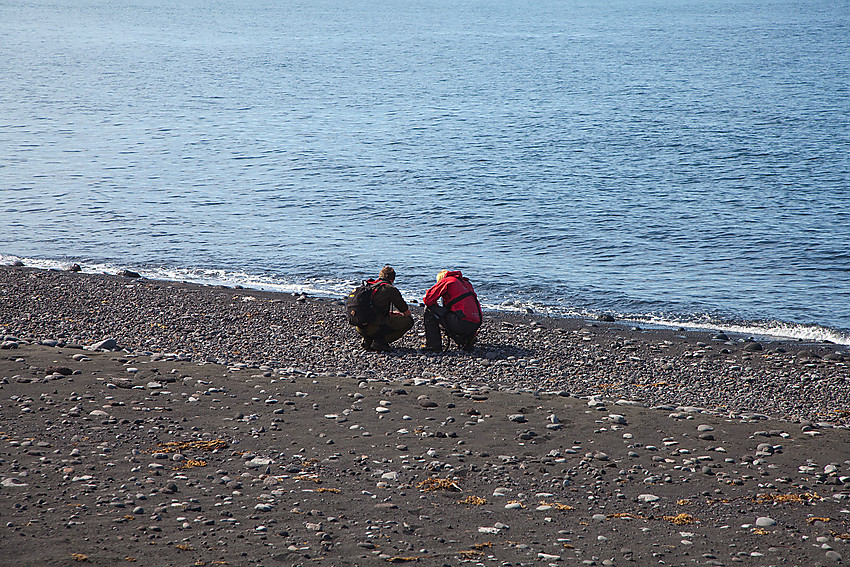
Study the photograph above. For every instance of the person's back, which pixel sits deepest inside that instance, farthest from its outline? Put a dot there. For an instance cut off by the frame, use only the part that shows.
(457, 293)
(385, 298)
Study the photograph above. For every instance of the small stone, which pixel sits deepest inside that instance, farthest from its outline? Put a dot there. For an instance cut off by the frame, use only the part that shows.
(106, 344)
(764, 449)
(258, 462)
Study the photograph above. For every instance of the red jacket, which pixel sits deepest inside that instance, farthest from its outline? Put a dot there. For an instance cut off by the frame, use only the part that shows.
(452, 286)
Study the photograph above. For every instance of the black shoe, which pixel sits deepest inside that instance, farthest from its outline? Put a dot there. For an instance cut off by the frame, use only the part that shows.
(469, 345)
(367, 343)
(428, 349)
(380, 346)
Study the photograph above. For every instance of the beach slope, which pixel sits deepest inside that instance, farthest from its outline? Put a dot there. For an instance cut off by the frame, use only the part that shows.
(174, 424)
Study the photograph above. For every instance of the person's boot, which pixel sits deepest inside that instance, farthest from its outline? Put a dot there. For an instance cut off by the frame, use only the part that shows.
(433, 336)
(366, 343)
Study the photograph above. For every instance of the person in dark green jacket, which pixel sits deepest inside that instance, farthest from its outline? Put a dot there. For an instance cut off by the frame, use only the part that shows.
(393, 318)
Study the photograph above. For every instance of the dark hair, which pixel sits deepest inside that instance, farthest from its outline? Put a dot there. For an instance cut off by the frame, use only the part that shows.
(387, 274)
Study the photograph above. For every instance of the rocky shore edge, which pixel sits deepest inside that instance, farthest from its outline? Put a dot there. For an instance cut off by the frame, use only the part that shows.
(791, 380)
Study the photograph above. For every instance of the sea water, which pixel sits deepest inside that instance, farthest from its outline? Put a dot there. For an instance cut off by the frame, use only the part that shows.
(682, 163)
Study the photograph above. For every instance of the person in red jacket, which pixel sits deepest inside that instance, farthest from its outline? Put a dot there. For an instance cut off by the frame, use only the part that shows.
(459, 315)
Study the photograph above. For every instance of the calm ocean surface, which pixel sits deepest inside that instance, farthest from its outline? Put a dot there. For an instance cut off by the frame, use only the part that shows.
(665, 161)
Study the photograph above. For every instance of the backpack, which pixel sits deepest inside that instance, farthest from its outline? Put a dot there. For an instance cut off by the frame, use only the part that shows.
(358, 306)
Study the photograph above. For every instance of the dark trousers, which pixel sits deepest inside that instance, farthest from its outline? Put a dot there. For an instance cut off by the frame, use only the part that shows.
(459, 329)
(393, 329)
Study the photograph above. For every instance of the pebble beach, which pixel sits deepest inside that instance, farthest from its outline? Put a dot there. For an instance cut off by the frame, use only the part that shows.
(168, 423)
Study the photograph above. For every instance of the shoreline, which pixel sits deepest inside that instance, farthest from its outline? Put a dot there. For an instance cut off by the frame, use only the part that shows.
(516, 351)
(764, 331)
(235, 427)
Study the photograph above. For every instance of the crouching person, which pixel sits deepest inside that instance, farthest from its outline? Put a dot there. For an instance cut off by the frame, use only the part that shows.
(392, 318)
(459, 315)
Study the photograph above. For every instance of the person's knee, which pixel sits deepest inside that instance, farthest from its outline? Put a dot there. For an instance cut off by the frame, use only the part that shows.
(430, 315)
(368, 330)
(408, 324)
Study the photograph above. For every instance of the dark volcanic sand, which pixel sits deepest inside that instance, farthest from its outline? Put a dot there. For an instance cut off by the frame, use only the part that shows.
(234, 427)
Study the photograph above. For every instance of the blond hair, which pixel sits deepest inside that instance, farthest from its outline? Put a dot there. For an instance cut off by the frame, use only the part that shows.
(441, 275)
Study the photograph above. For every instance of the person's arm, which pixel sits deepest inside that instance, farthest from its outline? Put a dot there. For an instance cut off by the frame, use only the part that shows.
(400, 305)
(433, 294)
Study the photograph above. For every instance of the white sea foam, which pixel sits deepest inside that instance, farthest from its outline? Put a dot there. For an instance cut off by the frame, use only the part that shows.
(774, 329)
(37, 263)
